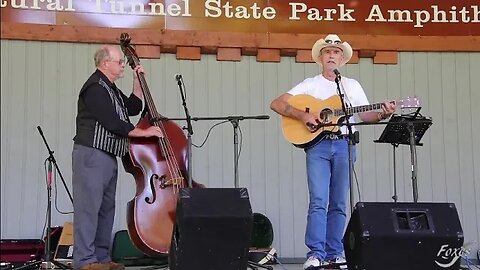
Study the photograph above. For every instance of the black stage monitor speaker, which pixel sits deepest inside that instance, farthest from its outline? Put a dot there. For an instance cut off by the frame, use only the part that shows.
(213, 229)
(401, 236)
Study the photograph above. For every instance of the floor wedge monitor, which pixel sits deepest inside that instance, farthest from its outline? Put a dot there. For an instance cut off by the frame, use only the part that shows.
(213, 229)
(399, 236)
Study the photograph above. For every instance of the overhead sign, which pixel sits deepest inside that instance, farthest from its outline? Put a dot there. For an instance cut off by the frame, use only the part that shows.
(373, 17)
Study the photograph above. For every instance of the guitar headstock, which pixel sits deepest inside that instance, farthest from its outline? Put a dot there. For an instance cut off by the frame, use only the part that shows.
(409, 102)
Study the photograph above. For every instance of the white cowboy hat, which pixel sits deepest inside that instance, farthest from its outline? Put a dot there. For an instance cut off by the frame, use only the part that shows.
(332, 40)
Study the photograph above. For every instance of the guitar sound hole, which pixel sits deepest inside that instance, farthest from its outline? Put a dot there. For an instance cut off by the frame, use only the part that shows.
(325, 116)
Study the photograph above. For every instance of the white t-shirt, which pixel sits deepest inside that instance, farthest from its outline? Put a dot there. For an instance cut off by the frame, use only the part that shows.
(321, 88)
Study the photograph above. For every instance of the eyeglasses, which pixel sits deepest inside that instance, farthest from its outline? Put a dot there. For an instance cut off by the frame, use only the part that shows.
(329, 41)
(120, 62)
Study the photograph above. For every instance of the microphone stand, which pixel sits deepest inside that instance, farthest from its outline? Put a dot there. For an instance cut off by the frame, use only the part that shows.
(47, 262)
(351, 138)
(413, 156)
(235, 123)
(51, 158)
(189, 128)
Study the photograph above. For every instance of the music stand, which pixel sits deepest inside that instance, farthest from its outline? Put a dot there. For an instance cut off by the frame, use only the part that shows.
(405, 129)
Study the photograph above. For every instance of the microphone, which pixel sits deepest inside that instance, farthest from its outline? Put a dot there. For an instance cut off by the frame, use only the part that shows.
(49, 173)
(337, 75)
(261, 117)
(336, 72)
(178, 77)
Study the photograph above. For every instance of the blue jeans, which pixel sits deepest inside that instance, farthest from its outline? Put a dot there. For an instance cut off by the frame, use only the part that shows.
(328, 185)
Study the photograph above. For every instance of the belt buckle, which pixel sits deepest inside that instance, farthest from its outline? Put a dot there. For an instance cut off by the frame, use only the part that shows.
(332, 136)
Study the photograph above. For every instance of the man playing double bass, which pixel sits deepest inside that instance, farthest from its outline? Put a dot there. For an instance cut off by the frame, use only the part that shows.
(102, 131)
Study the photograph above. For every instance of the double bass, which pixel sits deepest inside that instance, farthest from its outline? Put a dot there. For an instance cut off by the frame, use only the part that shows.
(159, 168)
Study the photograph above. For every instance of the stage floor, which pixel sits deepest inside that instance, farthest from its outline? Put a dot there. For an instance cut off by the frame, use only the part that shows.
(275, 267)
(289, 266)
(284, 267)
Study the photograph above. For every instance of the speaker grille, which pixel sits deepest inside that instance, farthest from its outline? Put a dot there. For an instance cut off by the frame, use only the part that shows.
(403, 236)
(213, 229)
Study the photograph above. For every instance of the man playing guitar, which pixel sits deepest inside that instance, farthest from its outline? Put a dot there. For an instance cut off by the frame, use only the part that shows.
(326, 158)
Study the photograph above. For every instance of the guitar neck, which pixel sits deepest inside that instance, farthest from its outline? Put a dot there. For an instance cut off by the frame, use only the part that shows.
(357, 109)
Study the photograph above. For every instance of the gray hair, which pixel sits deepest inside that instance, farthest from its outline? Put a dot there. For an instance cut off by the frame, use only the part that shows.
(102, 53)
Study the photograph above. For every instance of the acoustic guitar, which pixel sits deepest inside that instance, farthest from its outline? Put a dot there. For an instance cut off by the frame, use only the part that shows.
(329, 113)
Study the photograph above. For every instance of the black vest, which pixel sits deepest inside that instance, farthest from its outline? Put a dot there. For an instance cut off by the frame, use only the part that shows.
(90, 132)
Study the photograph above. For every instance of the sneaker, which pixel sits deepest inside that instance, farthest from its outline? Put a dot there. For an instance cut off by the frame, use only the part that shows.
(314, 263)
(338, 263)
